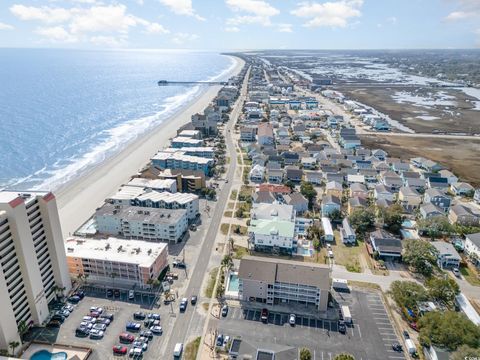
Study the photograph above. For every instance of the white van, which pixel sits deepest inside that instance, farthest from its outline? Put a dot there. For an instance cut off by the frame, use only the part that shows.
(177, 351)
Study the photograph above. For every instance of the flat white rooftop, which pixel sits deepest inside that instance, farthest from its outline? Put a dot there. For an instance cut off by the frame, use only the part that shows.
(138, 252)
(181, 198)
(151, 183)
(8, 195)
(180, 156)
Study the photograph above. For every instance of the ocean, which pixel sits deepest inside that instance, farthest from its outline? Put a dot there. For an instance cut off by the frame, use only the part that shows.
(64, 111)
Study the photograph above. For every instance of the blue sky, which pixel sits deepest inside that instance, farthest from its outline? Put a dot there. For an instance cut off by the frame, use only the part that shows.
(240, 24)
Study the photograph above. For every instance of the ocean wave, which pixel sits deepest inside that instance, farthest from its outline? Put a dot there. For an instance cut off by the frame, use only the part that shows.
(116, 139)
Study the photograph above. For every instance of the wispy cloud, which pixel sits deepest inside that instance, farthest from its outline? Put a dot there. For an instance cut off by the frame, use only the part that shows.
(182, 38)
(4, 26)
(105, 25)
(334, 14)
(251, 12)
(182, 7)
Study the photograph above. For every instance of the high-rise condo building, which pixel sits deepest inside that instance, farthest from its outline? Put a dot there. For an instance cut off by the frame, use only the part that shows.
(33, 265)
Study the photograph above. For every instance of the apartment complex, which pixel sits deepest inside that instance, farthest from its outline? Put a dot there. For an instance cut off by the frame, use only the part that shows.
(178, 160)
(276, 281)
(116, 261)
(166, 200)
(136, 222)
(32, 257)
(187, 180)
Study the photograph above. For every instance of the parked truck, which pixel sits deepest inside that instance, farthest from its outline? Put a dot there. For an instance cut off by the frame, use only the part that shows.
(411, 348)
(340, 285)
(347, 317)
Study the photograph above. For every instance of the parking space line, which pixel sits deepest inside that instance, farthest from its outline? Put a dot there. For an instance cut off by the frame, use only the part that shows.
(359, 332)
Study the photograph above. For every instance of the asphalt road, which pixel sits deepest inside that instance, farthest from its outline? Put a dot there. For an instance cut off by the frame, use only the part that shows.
(183, 323)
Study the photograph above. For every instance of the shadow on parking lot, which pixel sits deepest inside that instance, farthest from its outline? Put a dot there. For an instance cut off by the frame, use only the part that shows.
(146, 300)
(48, 335)
(280, 319)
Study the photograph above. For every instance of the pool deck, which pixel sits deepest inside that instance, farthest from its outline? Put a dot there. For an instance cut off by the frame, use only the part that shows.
(81, 353)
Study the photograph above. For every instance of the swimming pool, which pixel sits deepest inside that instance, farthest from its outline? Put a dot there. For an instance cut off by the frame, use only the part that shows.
(409, 224)
(233, 283)
(47, 355)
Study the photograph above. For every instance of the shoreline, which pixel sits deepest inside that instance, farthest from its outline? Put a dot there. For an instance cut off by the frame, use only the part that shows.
(78, 199)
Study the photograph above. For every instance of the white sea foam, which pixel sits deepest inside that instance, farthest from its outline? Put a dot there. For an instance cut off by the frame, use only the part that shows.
(116, 139)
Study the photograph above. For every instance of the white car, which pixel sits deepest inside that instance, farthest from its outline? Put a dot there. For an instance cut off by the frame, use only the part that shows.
(456, 272)
(157, 330)
(131, 295)
(102, 327)
(292, 319)
(96, 334)
(330, 253)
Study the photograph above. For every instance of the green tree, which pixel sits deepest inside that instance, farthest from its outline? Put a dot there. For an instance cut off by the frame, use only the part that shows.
(22, 328)
(343, 356)
(444, 289)
(420, 255)
(362, 220)
(464, 352)
(13, 345)
(448, 329)
(393, 218)
(307, 190)
(407, 293)
(290, 184)
(335, 215)
(227, 262)
(314, 232)
(305, 354)
(436, 226)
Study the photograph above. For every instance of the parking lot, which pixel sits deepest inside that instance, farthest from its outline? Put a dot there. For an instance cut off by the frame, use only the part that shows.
(123, 310)
(369, 338)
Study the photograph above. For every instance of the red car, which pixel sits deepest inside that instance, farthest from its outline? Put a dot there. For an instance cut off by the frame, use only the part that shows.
(264, 315)
(413, 325)
(120, 350)
(126, 338)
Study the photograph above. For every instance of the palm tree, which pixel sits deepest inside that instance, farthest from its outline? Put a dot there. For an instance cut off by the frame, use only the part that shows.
(22, 328)
(227, 262)
(231, 242)
(13, 345)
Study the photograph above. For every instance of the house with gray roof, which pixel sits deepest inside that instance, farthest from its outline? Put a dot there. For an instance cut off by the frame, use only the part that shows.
(447, 256)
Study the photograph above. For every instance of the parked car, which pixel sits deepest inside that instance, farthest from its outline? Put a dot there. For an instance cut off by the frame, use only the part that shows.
(64, 313)
(224, 310)
(135, 353)
(54, 324)
(120, 350)
(292, 319)
(183, 305)
(342, 327)
(193, 299)
(397, 347)
(139, 315)
(147, 334)
(406, 335)
(109, 292)
(74, 299)
(154, 316)
(330, 253)
(116, 293)
(82, 332)
(96, 334)
(140, 345)
(456, 272)
(102, 320)
(226, 339)
(86, 325)
(264, 315)
(58, 317)
(68, 307)
(80, 294)
(156, 329)
(131, 295)
(126, 338)
(101, 327)
(133, 326)
(219, 340)
(108, 316)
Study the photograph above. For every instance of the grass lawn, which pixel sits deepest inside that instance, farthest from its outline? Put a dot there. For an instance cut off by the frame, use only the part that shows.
(192, 348)
(242, 230)
(224, 228)
(347, 256)
(230, 205)
(211, 282)
(239, 252)
(470, 275)
(228, 213)
(233, 195)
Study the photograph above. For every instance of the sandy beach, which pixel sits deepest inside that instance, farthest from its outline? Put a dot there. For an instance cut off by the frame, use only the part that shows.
(78, 199)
